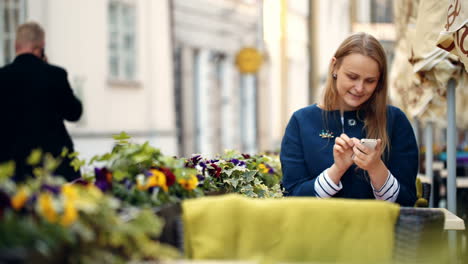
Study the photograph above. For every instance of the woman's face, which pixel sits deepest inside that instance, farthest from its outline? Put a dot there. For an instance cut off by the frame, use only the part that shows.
(356, 80)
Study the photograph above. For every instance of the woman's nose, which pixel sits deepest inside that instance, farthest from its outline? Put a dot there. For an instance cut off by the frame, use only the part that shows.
(359, 86)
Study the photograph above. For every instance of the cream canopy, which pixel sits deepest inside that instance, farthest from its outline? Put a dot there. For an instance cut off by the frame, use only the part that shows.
(421, 70)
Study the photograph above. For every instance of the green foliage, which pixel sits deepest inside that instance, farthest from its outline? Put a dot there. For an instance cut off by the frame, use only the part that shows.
(103, 230)
(35, 157)
(7, 169)
(255, 176)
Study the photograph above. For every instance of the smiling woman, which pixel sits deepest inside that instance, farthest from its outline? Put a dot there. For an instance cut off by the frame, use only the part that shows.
(321, 152)
(358, 77)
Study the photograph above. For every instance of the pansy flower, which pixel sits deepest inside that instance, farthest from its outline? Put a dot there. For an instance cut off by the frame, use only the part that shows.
(156, 179)
(170, 177)
(103, 179)
(46, 207)
(19, 199)
(215, 170)
(189, 184)
(193, 161)
(70, 214)
(70, 192)
(263, 168)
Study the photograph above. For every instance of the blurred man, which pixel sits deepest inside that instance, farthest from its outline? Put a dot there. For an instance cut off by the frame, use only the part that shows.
(35, 99)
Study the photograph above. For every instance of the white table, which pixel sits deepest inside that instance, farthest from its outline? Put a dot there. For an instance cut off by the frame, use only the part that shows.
(452, 222)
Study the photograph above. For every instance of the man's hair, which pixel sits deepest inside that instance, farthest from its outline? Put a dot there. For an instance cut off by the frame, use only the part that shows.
(30, 33)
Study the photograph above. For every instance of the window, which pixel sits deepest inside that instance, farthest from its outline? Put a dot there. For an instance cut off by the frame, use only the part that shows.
(382, 11)
(122, 40)
(12, 13)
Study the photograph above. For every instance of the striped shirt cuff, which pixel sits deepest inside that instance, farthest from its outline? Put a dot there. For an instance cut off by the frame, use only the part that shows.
(325, 187)
(389, 191)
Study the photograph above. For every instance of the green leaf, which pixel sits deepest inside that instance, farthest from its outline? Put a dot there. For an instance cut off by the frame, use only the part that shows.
(64, 152)
(7, 169)
(249, 176)
(50, 163)
(77, 164)
(73, 155)
(35, 157)
(121, 138)
(119, 175)
(232, 182)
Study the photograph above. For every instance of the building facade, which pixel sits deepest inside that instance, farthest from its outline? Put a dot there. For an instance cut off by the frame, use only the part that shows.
(118, 57)
(165, 71)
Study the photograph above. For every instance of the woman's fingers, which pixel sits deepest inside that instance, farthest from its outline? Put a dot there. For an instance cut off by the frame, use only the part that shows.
(358, 153)
(340, 142)
(348, 140)
(338, 148)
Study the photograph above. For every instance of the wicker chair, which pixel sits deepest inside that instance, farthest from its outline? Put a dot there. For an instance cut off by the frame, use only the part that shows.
(420, 236)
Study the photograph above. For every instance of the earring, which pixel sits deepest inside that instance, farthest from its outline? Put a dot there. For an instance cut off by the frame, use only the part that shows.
(334, 76)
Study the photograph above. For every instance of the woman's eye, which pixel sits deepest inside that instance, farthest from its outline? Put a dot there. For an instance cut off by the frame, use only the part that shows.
(370, 81)
(352, 77)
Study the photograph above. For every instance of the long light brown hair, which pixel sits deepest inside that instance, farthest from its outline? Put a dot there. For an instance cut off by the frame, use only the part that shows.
(375, 108)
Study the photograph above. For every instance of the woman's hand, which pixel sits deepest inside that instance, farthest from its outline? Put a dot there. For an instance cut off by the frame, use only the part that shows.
(369, 160)
(366, 158)
(343, 152)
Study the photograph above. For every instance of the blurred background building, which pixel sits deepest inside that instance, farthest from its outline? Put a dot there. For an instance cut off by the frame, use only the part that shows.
(165, 71)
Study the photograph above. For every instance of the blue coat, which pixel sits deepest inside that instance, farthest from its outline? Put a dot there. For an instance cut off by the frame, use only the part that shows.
(305, 154)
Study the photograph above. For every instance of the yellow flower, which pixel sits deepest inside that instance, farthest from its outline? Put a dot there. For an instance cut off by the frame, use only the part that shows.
(157, 178)
(20, 198)
(70, 192)
(93, 191)
(263, 168)
(70, 213)
(190, 183)
(46, 207)
(140, 181)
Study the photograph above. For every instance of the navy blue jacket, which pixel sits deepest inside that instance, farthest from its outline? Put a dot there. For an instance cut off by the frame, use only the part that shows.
(304, 154)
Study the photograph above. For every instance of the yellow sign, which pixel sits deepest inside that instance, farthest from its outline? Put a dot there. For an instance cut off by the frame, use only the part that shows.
(248, 60)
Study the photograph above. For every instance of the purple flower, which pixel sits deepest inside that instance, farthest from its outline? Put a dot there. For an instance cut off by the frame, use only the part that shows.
(127, 183)
(203, 165)
(53, 189)
(200, 177)
(271, 170)
(235, 161)
(242, 163)
(214, 161)
(103, 179)
(195, 159)
(215, 170)
(32, 200)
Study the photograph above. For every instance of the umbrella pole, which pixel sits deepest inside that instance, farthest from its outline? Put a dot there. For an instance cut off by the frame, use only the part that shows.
(429, 159)
(451, 149)
(451, 164)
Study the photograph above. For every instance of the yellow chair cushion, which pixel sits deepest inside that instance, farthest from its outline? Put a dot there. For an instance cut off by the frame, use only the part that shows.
(293, 229)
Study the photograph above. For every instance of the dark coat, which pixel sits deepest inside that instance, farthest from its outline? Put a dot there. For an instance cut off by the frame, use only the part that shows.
(36, 98)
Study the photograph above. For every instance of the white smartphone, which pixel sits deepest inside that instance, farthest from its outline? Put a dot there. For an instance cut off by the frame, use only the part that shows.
(369, 142)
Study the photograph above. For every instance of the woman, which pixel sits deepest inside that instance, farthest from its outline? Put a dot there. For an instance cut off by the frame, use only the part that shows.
(321, 153)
